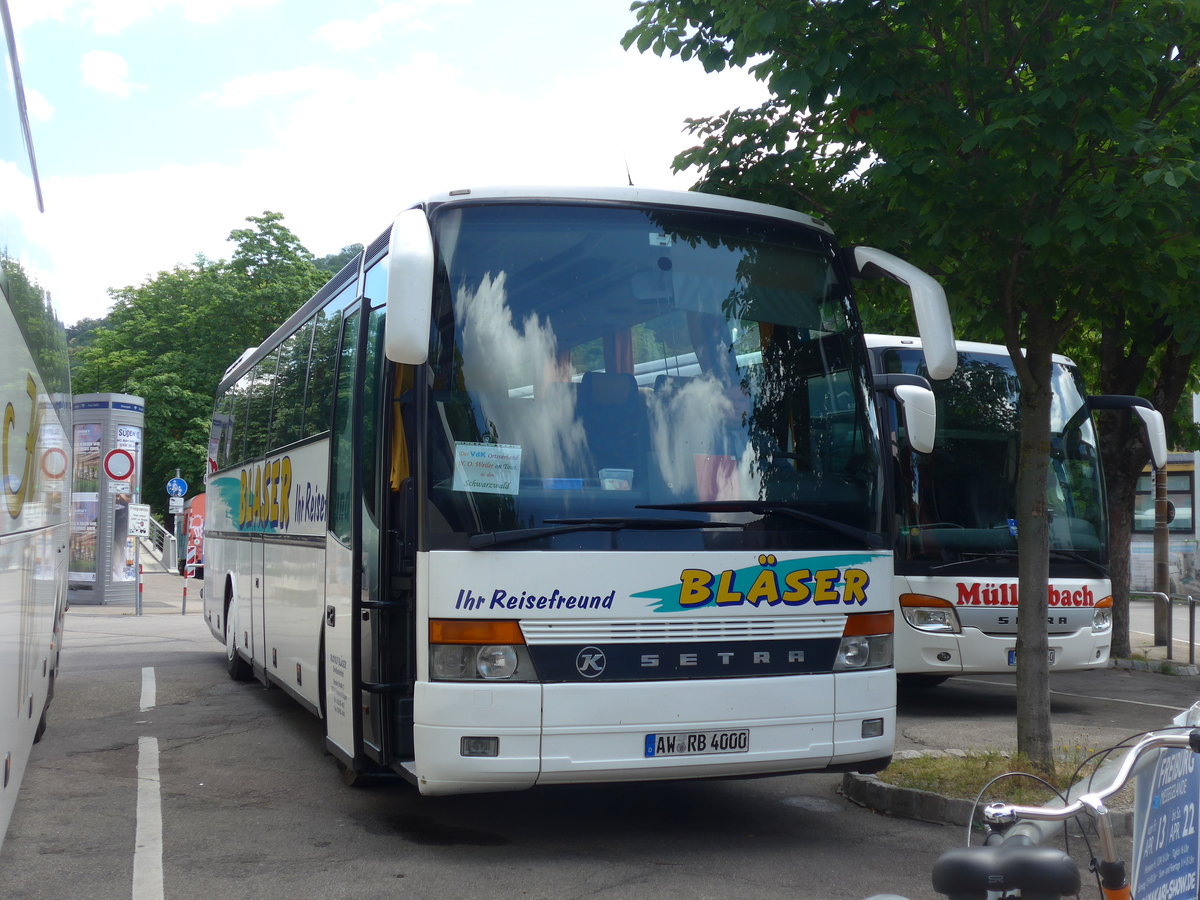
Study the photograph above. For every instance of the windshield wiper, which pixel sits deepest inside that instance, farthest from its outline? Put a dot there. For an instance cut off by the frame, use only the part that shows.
(995, 555)
(966, 560)
(486, 539)
(1076, 556)
(868, 539)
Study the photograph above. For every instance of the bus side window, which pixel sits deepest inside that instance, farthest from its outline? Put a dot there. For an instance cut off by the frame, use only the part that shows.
(319, 395)
(219, 436)
(240, 394)
(372, 413)
(341, 472)
(289, 387)
(258, 417)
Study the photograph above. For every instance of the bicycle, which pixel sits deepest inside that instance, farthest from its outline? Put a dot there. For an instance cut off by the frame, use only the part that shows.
(1011, 861)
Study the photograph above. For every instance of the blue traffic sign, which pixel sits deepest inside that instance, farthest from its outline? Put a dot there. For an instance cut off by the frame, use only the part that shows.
(176, 487)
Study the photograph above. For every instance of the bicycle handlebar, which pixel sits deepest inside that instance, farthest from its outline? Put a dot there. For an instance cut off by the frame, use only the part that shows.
(970, 873)
(1001, 813)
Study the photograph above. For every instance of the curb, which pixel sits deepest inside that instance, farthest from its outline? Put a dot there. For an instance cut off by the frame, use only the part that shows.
(925, 806)
(1158, 666)
(907, 803)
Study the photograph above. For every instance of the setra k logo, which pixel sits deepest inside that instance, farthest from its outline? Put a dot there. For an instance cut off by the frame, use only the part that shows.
(590, 662)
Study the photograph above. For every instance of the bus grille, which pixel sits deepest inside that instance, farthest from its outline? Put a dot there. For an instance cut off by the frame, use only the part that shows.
(630, 631)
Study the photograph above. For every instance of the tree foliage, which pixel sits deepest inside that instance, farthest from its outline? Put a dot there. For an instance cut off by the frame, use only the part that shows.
(171, 339)
(334, 261)
(1040, 157)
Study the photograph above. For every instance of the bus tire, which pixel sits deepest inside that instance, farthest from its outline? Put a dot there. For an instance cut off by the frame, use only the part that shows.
(41, 725)
(350, 776)
(238, 668)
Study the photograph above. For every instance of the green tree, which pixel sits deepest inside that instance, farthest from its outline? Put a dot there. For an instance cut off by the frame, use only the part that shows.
(1041, 157)
(81, 333)
(171, 339)
(334, 261)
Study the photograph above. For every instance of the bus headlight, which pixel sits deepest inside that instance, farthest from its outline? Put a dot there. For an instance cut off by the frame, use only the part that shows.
(452, 662)
(866, 643)
(935, 615)
(460, 650)
(1102, 616)
(496, 661)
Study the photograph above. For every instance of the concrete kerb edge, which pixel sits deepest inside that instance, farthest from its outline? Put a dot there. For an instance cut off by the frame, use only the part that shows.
(870, 792)
(1159, 666)
(907, 803)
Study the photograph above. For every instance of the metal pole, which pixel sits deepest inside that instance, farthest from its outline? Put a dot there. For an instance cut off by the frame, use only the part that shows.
(1162, 569)
(1170, 628)
(1191, 630)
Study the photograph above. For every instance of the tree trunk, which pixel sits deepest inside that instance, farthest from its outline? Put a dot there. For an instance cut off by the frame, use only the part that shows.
(1123, 450)
(1034, 737)
(1120, 454)
(1162, 561)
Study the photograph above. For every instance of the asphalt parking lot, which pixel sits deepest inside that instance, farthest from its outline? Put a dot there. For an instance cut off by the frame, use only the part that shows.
(249, 805)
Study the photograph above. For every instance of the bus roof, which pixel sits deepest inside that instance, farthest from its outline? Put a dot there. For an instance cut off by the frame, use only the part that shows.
(628, 194)
(876, 341)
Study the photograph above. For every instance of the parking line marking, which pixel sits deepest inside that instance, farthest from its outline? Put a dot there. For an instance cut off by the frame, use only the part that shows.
(1080, 696)
(148, 852)
(149, 691)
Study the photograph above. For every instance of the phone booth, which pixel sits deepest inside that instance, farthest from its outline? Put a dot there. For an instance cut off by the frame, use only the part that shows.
(108, 441)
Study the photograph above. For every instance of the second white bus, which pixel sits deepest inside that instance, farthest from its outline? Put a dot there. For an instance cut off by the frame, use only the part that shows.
(954, 516)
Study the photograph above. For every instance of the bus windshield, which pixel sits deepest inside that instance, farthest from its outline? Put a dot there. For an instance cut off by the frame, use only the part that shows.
(591, 361)
(959, 502)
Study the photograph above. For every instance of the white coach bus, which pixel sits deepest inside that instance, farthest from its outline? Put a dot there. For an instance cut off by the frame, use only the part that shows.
(35, 453)
(954, 516)
(569, 485)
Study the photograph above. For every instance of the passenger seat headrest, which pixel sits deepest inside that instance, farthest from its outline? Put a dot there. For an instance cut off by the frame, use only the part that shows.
(607, 388)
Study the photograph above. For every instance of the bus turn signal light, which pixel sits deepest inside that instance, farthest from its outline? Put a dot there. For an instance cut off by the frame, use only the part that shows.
(467, 631)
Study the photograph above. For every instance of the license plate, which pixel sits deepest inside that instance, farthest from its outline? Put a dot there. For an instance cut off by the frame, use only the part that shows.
(1012, 657)
(693, 743)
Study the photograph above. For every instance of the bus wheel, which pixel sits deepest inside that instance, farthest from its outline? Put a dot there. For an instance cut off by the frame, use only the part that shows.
(238, 668)
(920, 681)
(41, 725)
(350, 777)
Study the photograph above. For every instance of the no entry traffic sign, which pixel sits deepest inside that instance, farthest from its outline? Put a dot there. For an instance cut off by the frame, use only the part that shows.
(118, 465)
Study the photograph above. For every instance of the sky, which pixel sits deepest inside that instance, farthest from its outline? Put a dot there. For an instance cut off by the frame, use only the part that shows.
(160, 125)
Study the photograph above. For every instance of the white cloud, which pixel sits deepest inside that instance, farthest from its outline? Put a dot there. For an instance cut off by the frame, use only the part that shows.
(247, 91)
(110, 17)
(355, 34)
(110, 231)
(106, 72)
(40, 109)
(348, 152)
(209, 11)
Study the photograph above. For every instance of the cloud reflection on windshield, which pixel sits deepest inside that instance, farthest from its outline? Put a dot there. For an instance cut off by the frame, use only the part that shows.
(497, 356)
